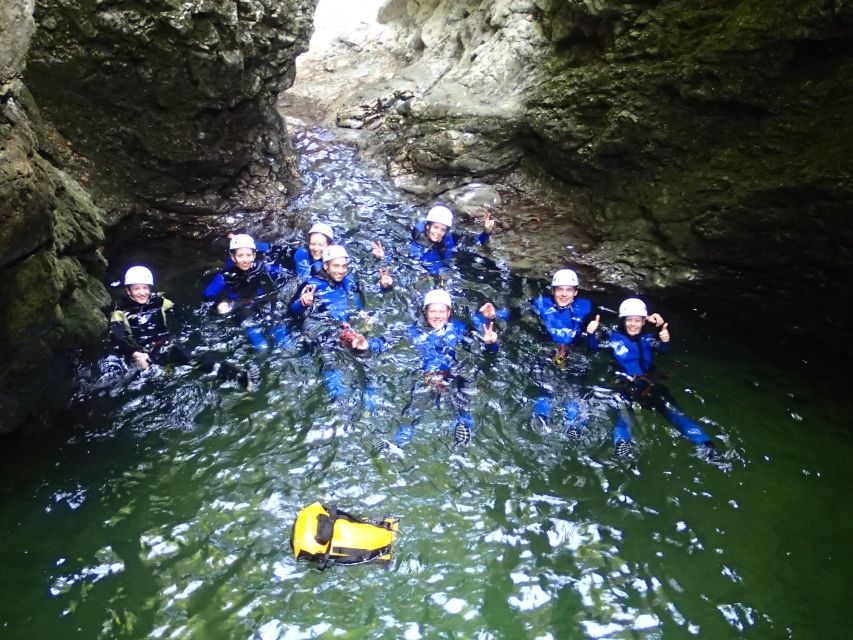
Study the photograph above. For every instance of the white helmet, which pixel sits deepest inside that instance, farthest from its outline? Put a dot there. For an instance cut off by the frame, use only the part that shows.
(323, 228)
(334, 251)
(440, 214)
(633, 307)
(438, 296)
(138, 275)
(242, 241)
(565, 278)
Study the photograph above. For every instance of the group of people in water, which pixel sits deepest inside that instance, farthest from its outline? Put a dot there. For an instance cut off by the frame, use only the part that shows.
(329, 299)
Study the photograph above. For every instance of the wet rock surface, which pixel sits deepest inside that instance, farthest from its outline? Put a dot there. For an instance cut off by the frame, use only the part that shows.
(691, 142)
(49, 233)
(174, 102)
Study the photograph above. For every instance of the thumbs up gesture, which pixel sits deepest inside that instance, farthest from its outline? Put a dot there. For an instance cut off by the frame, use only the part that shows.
(592, 327)
(664, 332)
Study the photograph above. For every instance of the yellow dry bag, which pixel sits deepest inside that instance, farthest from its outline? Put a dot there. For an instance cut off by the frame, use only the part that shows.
(332, 536)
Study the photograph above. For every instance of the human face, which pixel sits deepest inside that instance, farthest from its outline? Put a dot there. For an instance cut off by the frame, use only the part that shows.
(243, 258)
(140, 293)
(564, 295)
(337, 268)
(316, 243)
(437, 315)
(634, 324)
(436, 231)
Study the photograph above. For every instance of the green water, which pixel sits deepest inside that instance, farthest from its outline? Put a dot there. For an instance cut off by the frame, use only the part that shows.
(165, 510)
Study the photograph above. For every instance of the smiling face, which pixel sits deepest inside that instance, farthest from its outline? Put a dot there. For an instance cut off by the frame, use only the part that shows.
(437, 315)
(336, 269)
(243, 258)
(316, 243)
(563, 295)
(634, 324)
(436, 231)
(140, 293)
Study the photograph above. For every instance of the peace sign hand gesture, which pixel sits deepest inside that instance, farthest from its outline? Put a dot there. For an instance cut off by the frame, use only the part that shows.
(489, 334)
(385, 279)
(378, 250)
(307, 295)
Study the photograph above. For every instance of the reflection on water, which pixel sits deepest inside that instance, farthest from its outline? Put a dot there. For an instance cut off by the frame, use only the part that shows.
(163, 509)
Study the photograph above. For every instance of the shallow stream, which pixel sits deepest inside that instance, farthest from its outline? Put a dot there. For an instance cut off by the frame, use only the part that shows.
(163, 509)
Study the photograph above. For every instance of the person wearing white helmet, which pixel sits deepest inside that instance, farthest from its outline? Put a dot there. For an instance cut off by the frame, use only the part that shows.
(140, 335)
(328, 301)
(247, 288)
(433, 243)
(333, 291)
(248, 278)
(437, 339)
(571, 323)
(309, 258)
(633, 352)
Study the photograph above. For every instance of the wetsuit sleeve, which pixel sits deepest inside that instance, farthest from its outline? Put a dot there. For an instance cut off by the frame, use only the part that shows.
(215, 288)
(658, 346)
(296, 306)
(121, 336)
(482, 238)
(592, 341)
(377, 345)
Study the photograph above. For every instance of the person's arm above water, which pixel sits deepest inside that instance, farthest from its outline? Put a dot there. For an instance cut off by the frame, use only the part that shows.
(215, 288)
(303, 300)
(488, 227)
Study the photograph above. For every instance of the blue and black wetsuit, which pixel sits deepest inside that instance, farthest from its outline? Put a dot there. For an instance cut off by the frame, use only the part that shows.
(136, 327)
(435, 256)
(633, 364)
(566, 326)
(253, 292)
(334, 305)
(304, 265)
(144, 327)
(438, 349)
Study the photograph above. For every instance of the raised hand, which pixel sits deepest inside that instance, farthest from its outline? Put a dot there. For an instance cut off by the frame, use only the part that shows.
(359, 342)
(489, 334)
(592, 327)
(488, 310)
(663, 334)
(141, 359)
(488, 222)
(307, 295)
(385, 279)
(656, 319)
(378, 250)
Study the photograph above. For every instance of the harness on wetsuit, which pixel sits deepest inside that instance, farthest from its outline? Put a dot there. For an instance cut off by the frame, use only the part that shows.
(331, 536)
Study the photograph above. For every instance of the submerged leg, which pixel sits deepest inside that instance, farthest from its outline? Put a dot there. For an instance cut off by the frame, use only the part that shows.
(575, 418)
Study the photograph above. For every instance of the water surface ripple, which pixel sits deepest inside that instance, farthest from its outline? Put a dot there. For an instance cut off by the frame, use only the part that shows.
(164, 510)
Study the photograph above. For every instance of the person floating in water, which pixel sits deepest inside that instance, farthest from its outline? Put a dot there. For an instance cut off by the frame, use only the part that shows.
(328, 302)
(633, 350)
(571, 323)
(433, 243)
(437, 339)
(140, 336)
(247, 289)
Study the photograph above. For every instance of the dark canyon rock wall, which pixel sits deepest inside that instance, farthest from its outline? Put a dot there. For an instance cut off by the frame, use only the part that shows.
(174, 101)
(713, 137)
(49, 232)
(150, 106)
